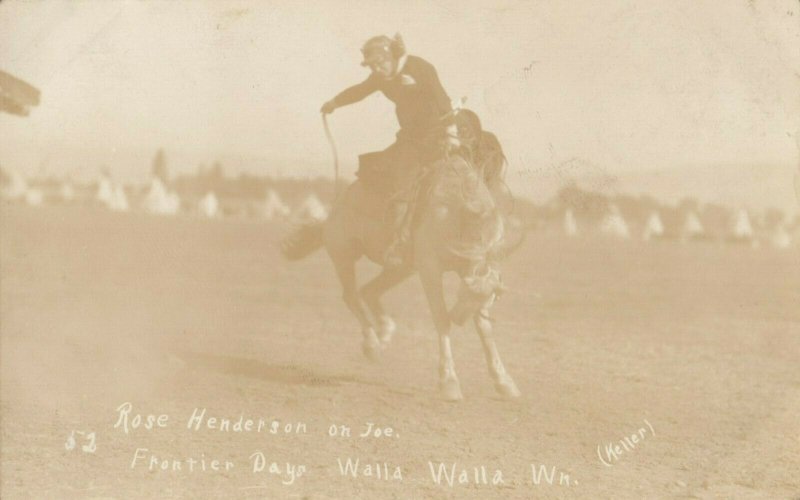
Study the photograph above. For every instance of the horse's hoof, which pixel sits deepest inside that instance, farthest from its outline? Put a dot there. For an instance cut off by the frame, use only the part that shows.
(507, 389)
(386, 330)
(371, 351)
(371, 345)
(451, 390)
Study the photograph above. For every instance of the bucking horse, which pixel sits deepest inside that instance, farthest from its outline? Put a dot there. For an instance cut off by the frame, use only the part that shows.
(459, 226)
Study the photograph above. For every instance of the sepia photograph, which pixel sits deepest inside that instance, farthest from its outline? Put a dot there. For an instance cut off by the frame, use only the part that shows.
(448, 249)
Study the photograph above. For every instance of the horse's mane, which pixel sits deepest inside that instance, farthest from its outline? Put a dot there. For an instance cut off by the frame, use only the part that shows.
(483, 151)
(490, 158)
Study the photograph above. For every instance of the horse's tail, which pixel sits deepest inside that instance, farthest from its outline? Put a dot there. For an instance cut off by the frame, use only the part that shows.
(303, 241)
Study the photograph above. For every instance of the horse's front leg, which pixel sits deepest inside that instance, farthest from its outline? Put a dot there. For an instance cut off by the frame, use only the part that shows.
(503, 382)
(431, 278)
(372, 292)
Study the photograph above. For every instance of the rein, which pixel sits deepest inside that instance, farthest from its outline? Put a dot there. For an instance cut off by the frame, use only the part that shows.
(332, 142)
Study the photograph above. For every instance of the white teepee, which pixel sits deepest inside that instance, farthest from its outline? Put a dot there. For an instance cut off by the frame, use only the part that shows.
(653, 228)
(34, 197)
(312, 208)
(105, 191)
(273, 206)
(209, 205)
(742, 228)
(17, 188)
(119, 200)
(159, 201)
(66, 192)
(614, 224)
(692, 227)
(780, 237)
(570, 225)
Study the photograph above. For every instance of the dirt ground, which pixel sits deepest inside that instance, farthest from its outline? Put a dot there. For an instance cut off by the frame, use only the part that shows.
(692, 349)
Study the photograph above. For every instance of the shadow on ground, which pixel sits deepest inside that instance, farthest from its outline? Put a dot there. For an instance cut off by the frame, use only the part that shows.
(293, 375)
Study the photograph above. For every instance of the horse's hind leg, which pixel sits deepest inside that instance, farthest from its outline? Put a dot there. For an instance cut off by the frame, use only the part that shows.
(503, 382)
(372, 292)
(346, 269)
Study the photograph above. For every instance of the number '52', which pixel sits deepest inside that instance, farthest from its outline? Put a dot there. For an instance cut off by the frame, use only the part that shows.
(89, 447)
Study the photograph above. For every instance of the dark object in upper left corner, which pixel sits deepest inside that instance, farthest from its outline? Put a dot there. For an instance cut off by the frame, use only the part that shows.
(17, 96)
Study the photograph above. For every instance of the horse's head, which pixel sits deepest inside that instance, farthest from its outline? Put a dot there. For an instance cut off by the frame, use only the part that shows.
(469, 130)
(481, 147)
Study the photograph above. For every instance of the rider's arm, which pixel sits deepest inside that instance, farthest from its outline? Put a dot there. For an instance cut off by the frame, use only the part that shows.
(356, 92)
(429, 79)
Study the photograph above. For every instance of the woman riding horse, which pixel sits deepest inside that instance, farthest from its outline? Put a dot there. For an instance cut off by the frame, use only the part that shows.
(457, 224)
(425, 116)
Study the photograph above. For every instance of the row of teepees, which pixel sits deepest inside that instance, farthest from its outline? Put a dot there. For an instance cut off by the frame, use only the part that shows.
(158, 199)
(271, 208)
(18, 189)
(741, 229)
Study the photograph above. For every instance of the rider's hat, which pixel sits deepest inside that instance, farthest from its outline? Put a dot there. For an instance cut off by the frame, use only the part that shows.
(380, 47)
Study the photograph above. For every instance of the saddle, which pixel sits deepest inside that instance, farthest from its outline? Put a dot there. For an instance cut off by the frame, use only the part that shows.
(373, 172)
(468, 182)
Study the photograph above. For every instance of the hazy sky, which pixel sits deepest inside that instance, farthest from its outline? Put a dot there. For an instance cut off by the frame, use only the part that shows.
(619, 84)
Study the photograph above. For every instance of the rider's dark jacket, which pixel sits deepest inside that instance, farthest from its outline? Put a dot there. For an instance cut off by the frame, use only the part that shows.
(420, 101)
